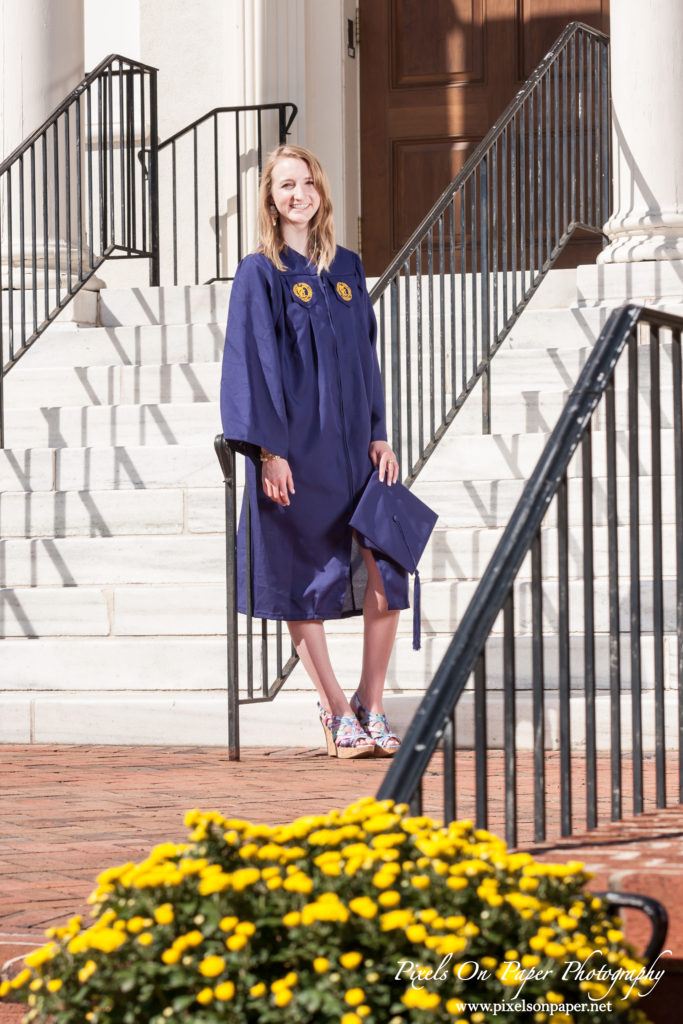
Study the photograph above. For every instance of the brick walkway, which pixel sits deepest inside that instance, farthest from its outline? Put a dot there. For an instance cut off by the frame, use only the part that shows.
(68, 812)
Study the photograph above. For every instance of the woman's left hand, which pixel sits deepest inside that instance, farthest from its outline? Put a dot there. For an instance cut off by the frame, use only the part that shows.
(381, 455)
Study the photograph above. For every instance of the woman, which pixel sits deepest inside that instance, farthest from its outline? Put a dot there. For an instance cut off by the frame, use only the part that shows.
(301, 396)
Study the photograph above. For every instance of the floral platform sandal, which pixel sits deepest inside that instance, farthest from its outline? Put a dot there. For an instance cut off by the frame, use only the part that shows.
(345, 737)
(376, 726)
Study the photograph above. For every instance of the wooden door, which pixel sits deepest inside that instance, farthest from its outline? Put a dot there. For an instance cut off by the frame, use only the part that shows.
(434, 77)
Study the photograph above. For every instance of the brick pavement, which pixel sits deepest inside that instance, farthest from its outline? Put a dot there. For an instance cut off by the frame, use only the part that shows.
(68, 812)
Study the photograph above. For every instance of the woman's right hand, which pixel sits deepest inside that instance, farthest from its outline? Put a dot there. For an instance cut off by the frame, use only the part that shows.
(277, 480)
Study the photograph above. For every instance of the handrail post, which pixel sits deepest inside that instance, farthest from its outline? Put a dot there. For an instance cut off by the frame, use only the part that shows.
(154, 264)
(226, 458)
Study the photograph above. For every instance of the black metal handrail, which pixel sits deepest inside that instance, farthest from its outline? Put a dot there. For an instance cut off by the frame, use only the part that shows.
(613, 600)
(213, 162)
(74, 194)
(541, 173)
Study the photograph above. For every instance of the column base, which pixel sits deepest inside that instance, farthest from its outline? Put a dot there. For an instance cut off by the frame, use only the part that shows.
(641, 248)
(645, 282)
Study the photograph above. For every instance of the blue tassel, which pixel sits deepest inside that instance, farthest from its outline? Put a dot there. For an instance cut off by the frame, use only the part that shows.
(416, 612)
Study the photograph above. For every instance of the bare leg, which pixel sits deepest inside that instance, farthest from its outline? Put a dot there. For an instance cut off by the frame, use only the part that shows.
(308, 637)
(380, 627)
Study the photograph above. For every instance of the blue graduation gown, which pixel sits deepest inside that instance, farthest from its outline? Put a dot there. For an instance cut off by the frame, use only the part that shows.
(301, 379)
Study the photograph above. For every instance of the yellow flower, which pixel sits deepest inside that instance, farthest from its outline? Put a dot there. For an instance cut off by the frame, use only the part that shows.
(457, 882)
(225, 991)
(389, 899)
(567, 922)
(416, 933)
(54, 985)
(172, 955)
(350, 960)
(245, 928)
(298, 882)
(554, 997)
(320, 964)
(396, 919)
(420, 998)
(451, 944)
(87, 971)
(455, 1006)
(257, 990)
(351, 1018)
(40, 956)
(555, 950)
(292, 919)
(205, 996)
(283, 997)
(146, 939)
(235, 942)
(164, 914)
(354, 996)
(107, 940)
(227, 924)
(244, 877)
(382, 879)
(380, 822)
(211, 966)
(421, 881)
(4, 988)
(364, 907)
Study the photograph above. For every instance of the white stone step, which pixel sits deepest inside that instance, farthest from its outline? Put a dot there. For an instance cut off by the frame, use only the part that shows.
(53, 514)
(198, 662)
(111, 385)
(534, 410)
(485, 503)
(174, 559)
(84, 426)
(81, 469)
(192, 304)
(514, 456)
(44, 611)
(109, 561)
(119, 717)
(444, 604)
(146, 344)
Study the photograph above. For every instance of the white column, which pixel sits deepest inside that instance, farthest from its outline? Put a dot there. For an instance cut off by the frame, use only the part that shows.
(647, 133)
(42, 43)
(42, 61)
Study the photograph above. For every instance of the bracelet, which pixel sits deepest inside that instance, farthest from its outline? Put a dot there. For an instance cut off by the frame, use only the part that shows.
(269, 457)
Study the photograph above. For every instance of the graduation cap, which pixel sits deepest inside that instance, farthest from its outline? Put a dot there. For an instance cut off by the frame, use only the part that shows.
(398, 525)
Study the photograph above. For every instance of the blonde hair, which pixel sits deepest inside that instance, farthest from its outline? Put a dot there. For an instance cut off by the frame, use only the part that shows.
(322, 245)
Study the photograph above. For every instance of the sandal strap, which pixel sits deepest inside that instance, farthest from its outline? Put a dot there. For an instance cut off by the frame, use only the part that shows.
(375, 724)
(346, 729)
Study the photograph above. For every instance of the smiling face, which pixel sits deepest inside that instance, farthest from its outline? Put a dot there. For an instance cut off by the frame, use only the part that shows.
(294, 193)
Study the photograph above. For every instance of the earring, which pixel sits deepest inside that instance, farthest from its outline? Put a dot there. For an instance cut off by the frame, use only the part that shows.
(273, 214)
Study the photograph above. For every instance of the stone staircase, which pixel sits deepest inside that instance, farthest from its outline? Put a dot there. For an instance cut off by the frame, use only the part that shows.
(111, 524)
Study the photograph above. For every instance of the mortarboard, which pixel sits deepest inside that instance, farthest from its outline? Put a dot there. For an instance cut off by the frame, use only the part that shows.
(394, 522)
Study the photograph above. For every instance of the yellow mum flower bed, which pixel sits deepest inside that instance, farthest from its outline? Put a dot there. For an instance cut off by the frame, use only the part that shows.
(361, 916)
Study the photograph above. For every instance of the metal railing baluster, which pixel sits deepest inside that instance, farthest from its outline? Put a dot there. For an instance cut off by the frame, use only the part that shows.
(538, 690)
(614, 617)
(657, 564)
(677, 376)
(510, 720)
(589, 671)
(635, 603)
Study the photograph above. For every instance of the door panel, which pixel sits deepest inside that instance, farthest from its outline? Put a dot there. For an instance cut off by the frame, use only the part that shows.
(434, 78)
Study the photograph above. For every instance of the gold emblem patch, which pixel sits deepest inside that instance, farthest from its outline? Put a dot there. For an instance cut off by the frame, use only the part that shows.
(303, 291)
(343, 291)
